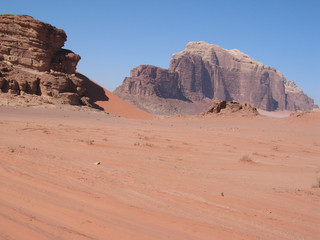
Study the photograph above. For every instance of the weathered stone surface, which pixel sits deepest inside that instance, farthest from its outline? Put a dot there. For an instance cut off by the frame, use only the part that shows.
(296, 99)
(206, 71)
(65, 61)
(29, 42)
(33, 62)
(70, 98)
(86, 101)
(147, 80)
(25, 81)
(226, 107)
(2, 82)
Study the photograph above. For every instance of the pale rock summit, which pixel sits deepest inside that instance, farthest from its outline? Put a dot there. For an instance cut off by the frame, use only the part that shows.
(291, 87)
(296, 99)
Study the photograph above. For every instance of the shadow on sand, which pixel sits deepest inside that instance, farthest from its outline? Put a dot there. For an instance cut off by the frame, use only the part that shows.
(93, 91)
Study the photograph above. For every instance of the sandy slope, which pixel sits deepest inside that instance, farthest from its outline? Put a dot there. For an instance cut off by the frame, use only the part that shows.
(100, 98)
(111, 103)
(159, 179)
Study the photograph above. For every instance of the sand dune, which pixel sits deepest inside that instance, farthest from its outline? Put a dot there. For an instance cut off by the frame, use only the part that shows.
(111, 103)
(187, 178)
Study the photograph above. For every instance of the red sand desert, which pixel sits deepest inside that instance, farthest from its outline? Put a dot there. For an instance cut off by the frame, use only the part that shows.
(67, 174)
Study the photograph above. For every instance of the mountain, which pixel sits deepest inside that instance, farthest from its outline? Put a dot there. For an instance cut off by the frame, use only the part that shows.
(203, 72)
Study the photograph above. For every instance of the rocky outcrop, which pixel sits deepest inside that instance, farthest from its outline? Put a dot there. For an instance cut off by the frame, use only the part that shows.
(29, 42)
(296, 99)
(147, 80)
(21, 81)
(204, 72)
(226, 107)
(32, 61)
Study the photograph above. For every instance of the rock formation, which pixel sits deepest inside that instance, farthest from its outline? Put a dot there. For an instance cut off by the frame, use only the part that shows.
(156, 90)
(32, 61)
(225, 107)
(203, 72)
(296, 99)
(149, 80)
(29, 42)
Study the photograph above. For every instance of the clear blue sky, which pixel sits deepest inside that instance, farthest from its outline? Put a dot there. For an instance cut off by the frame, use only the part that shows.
(113, 37)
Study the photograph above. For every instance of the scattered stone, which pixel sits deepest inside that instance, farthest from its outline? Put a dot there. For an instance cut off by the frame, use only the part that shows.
(299, 113)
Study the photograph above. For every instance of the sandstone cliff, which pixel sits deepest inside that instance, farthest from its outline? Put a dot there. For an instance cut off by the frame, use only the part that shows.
(156, 90)
(296, 99)
(32, 61)
(203, 72)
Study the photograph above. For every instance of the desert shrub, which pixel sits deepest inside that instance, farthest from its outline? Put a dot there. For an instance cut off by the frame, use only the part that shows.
(90, 141)
(246, 158)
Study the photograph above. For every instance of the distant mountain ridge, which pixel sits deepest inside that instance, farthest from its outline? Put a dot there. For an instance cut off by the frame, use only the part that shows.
(203, 72)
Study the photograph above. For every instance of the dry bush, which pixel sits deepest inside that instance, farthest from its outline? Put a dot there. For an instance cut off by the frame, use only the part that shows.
(148, 144)
(246, 158)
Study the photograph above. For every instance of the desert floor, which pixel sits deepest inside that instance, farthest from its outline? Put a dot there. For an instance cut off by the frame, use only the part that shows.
(169, 178)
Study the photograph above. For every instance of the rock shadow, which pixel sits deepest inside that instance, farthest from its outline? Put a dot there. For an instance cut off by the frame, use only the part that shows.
(93, 91)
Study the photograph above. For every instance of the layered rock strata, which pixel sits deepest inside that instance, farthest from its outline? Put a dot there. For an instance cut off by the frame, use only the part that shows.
(32, 61)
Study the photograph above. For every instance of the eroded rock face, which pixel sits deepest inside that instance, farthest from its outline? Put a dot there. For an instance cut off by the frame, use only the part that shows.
(226, 107)
(65, 61)
(296, 99)
(29, 42)
(20, 81)
(33, 62)
(147, 80)
(205, 71)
